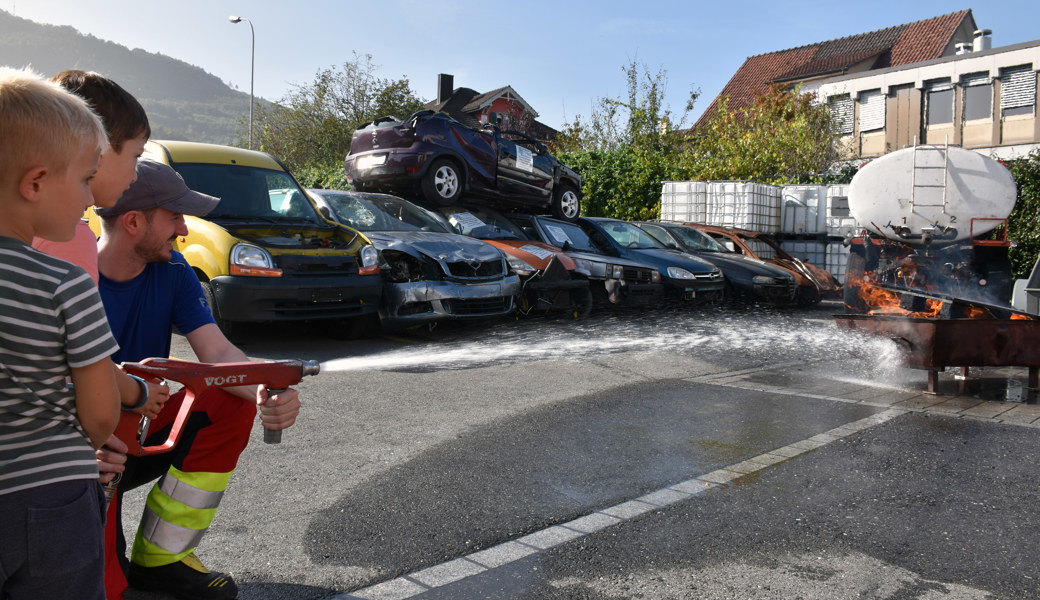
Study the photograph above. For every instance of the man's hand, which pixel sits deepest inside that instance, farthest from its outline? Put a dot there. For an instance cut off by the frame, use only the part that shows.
(111, 458)
(278, 411)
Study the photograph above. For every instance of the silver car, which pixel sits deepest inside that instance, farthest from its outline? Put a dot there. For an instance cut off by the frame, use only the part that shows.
(429, 273)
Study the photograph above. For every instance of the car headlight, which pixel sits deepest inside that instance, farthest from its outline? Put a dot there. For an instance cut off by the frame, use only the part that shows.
(765, 280)
(679, 273)
(615, 272)
(252, 261)
(519, 265)
(368, 259)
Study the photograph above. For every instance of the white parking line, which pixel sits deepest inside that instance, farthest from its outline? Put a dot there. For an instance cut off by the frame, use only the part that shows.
(418, 582)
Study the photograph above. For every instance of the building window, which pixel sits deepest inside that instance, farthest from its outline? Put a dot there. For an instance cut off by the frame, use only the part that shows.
(871, 111)
(978, 96)
(938, 103)
(842, 114)
(1017, 91)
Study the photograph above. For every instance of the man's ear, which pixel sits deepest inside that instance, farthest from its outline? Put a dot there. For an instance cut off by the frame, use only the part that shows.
(132, 221)
(31, 183)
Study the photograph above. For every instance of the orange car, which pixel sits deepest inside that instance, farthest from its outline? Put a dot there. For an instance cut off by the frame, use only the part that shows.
(813, 283)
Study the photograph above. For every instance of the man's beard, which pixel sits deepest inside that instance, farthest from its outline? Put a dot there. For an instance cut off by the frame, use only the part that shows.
(152, 250)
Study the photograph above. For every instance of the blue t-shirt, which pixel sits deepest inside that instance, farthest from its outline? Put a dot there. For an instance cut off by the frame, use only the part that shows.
(144, 311)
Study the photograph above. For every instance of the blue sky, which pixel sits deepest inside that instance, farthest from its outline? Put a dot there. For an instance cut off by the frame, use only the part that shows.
(559, 56)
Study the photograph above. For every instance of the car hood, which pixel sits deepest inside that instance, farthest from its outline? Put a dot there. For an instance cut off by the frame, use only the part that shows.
(739, 261)
(449, 247)
(663, 259)
(536, 254)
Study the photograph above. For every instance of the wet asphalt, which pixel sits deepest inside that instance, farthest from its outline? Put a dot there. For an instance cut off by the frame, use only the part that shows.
(717, 453)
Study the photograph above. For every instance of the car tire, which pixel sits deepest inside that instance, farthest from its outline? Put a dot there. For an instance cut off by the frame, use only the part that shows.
(566, 204)
(442, 183)
(232, 331)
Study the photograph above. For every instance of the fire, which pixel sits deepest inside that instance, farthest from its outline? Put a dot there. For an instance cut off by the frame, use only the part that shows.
(880, 301)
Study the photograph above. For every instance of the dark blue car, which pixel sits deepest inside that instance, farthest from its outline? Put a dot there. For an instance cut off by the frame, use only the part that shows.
(685, 276)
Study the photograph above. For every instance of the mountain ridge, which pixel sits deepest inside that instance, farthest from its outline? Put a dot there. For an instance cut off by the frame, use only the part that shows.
(183, 101)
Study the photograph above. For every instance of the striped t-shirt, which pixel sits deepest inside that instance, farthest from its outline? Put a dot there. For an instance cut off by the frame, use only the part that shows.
(51, 319)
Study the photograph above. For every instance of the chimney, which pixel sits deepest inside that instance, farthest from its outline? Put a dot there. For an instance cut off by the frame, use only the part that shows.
(445, 86)
(982, 40)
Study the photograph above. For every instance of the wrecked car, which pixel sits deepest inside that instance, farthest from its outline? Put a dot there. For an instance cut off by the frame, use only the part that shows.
(747, 278)
(813, 283)
(429, 273)
(549, 278)
(613, 280)
(443, 160)
(685, 277)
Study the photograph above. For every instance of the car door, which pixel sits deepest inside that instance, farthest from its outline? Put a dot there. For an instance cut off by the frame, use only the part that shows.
(525, 168)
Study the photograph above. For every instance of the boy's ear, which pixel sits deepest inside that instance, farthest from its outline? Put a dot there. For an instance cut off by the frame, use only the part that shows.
(32, 182)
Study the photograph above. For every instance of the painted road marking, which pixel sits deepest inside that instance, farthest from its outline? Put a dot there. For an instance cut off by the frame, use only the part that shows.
(419, 582)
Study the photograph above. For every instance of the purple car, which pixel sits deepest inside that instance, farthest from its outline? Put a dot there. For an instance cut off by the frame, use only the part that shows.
(439, 159)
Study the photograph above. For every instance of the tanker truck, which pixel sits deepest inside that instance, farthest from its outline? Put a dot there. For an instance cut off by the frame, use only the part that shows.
(928, 213)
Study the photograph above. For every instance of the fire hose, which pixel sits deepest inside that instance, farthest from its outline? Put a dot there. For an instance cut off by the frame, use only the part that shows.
(276, 376)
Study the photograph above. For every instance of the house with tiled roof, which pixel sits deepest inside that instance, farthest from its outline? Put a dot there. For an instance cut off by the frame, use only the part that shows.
(502, 106)
(893, 46)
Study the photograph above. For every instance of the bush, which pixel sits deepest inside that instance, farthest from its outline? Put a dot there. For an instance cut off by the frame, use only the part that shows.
(1023, 225)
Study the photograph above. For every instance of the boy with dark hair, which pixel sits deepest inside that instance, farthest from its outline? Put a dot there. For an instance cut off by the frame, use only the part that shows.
(54, 327)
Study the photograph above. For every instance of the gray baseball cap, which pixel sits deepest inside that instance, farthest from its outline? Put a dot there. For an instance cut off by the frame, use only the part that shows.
(159, 186)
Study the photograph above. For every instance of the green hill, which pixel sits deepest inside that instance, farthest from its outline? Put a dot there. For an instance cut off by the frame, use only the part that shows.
(183, 101)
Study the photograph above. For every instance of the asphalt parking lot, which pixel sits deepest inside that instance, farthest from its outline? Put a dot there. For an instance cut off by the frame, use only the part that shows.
(712, 455)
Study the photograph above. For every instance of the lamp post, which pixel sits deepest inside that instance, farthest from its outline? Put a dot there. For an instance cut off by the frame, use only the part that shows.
(252, 61)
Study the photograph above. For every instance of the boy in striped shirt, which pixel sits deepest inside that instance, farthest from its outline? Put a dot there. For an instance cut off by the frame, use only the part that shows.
(52, 327)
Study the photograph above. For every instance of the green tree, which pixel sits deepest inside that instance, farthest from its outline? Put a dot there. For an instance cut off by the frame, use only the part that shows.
(312, 125)
(626, 147)
(1023, 226)
(783, 137)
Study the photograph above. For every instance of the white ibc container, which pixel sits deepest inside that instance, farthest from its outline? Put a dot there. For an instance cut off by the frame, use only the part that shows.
(838, 217)
(803, 209)
(837, 260)
(683, 201)
(812, 252)
(743, 204)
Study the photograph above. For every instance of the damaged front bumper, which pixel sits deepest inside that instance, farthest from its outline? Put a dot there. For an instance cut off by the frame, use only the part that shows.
(419, 302)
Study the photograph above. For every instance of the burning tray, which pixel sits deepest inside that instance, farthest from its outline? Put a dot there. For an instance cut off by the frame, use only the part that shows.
(935, 343)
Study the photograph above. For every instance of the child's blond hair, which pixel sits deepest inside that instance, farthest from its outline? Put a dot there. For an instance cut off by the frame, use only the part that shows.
(42, 124)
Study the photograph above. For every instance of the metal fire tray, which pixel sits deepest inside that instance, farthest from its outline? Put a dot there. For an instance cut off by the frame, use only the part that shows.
(935, 344)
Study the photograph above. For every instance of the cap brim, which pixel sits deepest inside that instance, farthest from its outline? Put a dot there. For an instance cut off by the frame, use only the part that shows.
(192, 203)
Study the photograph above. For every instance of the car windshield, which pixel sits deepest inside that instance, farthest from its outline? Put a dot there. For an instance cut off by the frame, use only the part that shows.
(628, 235)
(696, 240)
(569, 236)
(249, 192)
(482, 224)
(371, 212)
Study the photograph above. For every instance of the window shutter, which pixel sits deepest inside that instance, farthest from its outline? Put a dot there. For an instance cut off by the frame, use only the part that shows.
(1018, 87)
(980, 78)
(871, 111)
(938, 85)
(842, 112)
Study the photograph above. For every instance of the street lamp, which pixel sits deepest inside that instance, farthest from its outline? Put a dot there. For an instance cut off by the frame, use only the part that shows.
(252, 61)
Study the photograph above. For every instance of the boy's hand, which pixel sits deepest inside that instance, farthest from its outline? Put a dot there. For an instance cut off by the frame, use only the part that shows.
(278, 411)
(158, 394)
(111, 458)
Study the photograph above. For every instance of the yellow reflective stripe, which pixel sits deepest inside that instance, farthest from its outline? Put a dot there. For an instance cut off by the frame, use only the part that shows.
(178, 511)
(210, 482)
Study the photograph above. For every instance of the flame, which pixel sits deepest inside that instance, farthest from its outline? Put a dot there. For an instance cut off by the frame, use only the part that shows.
(880, 301)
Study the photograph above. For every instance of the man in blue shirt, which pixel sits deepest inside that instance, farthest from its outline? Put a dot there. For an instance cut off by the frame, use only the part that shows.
(148, 289)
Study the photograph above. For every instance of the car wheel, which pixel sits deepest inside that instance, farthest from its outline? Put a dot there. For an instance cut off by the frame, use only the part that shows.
(442, 183)
(232, 331)
(582, 300)
(566, 204)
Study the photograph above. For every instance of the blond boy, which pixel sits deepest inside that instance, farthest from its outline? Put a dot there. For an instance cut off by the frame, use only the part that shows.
(52, 327)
